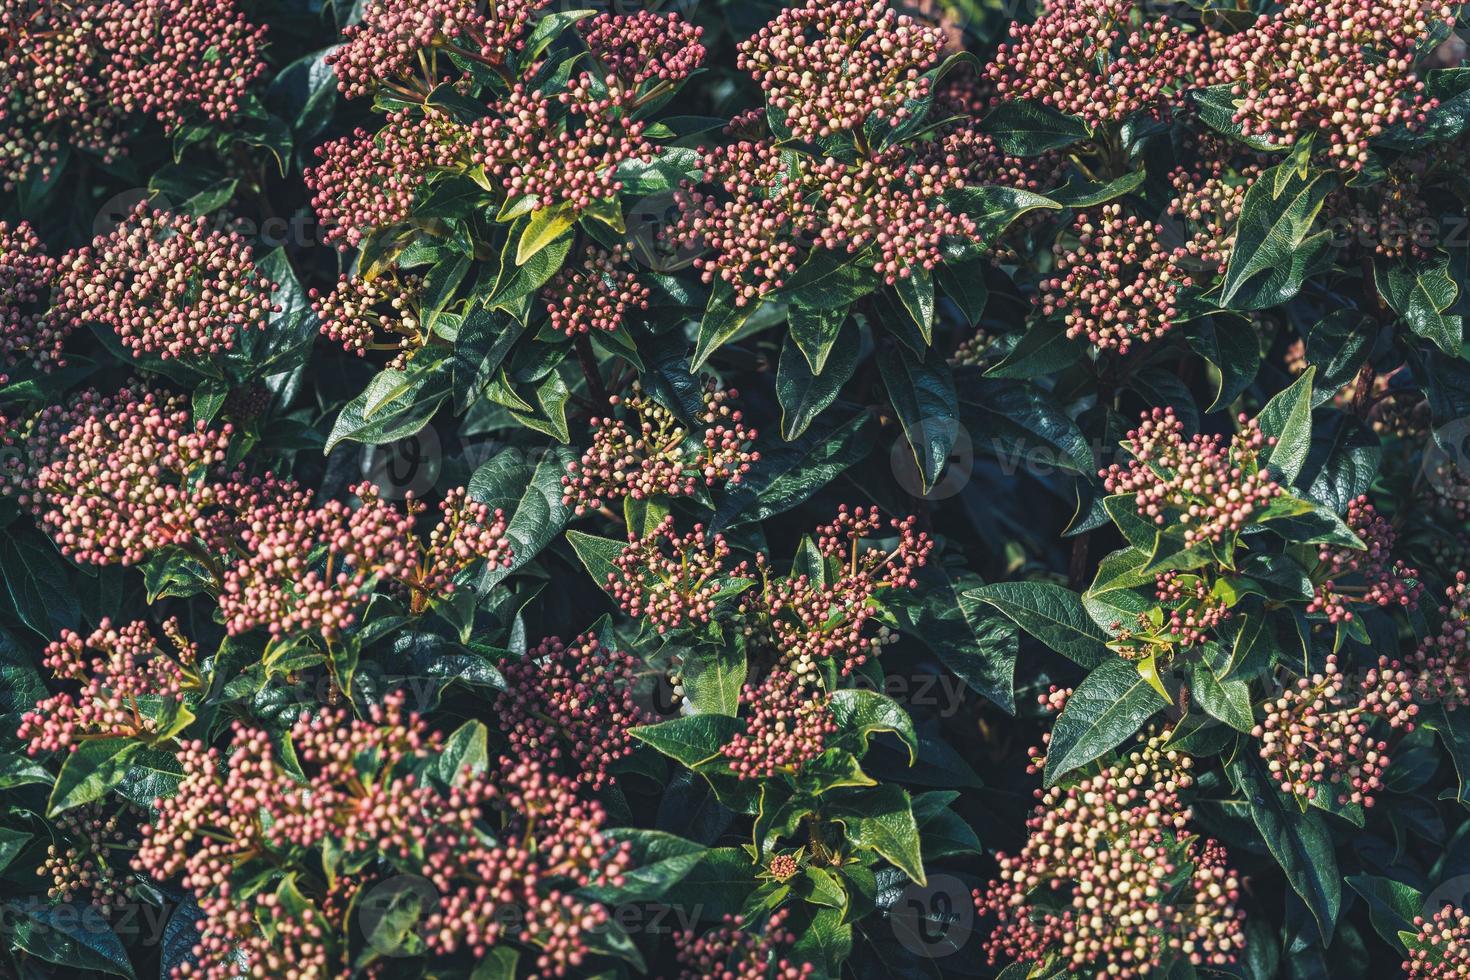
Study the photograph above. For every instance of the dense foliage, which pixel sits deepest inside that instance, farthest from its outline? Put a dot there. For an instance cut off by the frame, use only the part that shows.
(497, 489)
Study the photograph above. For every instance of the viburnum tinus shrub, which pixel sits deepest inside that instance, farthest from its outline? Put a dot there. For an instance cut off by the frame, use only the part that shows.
(498, 489)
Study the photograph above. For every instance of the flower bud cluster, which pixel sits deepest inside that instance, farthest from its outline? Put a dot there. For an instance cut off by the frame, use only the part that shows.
(313, 568)
(129, 684)
(82, 867)
(1112, 881)
(516, 839)
(1119, 285)
(125, 477)
(74, 70)
(669, 579)
(166, 284)
(28, 333)
(831, 65)
(594, 293)
(1379, 579)
(1208, 484)
(367, 181)
(1194, 609)
(1440, 950)
(806, 620)
(730, 951)
(399, 39)
(1338, 71)
(1442, 660)
(357, 310)
(1317, 737)
(644, 47)
(1086, 58)
(570, 706)
(649, 452)
(787, 725)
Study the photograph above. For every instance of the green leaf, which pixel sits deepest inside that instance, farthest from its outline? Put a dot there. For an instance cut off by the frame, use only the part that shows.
(77, 937)
(1422, 292)
(1053, 615)
(1216, 107)
(829, 280)
(1338, 346)
(1272, 231)
(1288, 419)
(1106, 709)
(89, 771)
(1023, 128)
(1228, 701)
(1043, 349)
(395, 404)
(993, 210)
(529, 490)
(916, 292)
(36, 583)
(964, 283)
(814, 331)
(597, 554)
(1299, 841)
(923, 396)
(864, 712)
(541, 229)
(1232, 345)
(691, 739)
(465, 753)
(722, 320)
(660, 861)
(1080, 192)
(881, 819)
(789, 474)
(979, 646)
(1392, 905)
(804, 395)
(713, 677)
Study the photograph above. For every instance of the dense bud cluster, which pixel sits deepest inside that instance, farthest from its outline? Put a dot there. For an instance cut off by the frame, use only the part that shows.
(90, 864)
(358, 310)
(647, 451)
(1087, 58)
(594, 293)
(830, 65)
(730, 951)
(1377, 578)
(74, 70)
(1119, 285)
(172, 59)
(669, 579)
(558, 150)
(807, 621)
(787, 726)
(366, 181)
(1440, 950)
(1317, 736)
(1442, 660)
(1210, 485)
(385, 48)
(363, 793)
(129, 686)
(1112, 881)
(166, 284)
(128, 476)
(27, 332)
(1194, 608)
(570, 703)
(637, 49)
(1333, 69)
(312, 568)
